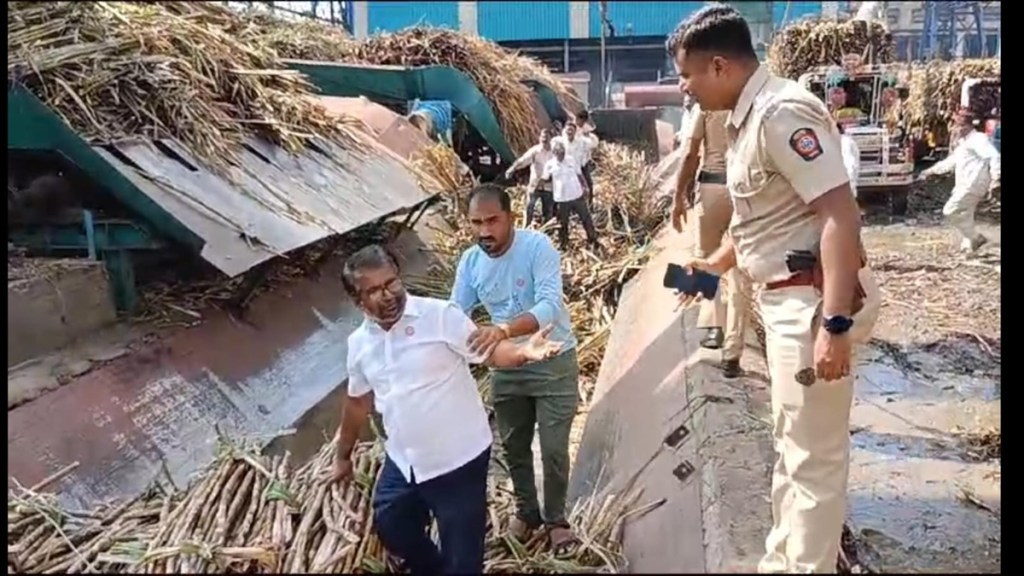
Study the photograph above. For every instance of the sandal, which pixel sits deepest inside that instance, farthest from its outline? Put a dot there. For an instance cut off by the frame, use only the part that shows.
(520, 530)
(563, 541)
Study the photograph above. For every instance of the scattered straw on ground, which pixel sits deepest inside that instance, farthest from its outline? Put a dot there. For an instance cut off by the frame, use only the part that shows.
(248, 513)
(930, 290)
(117, 70)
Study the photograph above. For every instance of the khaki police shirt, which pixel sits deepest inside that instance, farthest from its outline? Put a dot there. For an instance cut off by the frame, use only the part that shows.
(784, 153)
(709, 131)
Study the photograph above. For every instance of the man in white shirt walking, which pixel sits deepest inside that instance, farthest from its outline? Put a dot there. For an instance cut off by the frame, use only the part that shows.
(537, 190)
(580, 145)
(851, 156)
(411, 359)
(975, 163)
(567, 185)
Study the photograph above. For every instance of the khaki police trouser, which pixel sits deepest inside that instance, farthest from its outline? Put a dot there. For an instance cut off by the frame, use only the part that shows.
(811, 432)
(728, 310)
(960, 209)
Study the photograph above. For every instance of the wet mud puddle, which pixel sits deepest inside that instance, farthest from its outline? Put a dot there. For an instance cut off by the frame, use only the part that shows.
(925, 469)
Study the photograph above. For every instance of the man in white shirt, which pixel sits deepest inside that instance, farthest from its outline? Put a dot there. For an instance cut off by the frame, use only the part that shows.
(851, 156)
(411, 358)
(537, 190)
(975, 163)
(580, 146)
(690, 111)
(567, 187)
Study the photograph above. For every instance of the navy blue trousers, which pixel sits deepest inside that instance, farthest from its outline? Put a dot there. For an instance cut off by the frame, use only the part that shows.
(457, 500)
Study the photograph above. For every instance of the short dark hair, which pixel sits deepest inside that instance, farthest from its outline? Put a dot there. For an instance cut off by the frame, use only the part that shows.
(583, 116)
(370, 257)
(714, 29)
(491, 191)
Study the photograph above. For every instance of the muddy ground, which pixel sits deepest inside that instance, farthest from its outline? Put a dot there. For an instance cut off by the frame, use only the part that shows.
(925, 470)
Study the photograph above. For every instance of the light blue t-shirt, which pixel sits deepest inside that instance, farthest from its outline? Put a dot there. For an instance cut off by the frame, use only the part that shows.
(526, 278)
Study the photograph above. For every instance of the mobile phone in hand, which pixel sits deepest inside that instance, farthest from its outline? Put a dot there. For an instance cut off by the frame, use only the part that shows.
(691, 283)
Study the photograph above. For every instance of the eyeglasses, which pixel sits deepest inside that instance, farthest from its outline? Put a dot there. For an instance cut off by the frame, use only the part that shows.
(393, 287)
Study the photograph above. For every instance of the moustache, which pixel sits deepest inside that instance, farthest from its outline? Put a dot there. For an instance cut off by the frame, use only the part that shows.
(485, 239)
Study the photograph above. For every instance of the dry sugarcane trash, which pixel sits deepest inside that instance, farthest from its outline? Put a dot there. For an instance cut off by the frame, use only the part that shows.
(802, 46)
(256, 514)
(184, 70)
(499, 73)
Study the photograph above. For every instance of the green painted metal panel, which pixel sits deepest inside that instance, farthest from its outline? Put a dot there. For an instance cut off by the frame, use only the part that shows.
(33, 126)
(397, 83)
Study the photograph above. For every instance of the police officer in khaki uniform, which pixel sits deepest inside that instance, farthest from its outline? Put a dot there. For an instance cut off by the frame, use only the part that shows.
(713, 211)
(792, 204)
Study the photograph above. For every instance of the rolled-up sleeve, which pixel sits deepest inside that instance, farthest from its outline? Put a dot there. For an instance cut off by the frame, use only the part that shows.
(456, 327)
(357, 383)
(547, 279)
(463, 294)
(805, 148)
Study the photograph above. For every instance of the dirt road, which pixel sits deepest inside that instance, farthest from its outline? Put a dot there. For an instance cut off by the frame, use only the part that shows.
(925, 471)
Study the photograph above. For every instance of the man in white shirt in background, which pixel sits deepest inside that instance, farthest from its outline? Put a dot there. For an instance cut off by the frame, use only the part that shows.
(579, 145)
(537, 189)
(567, 186)
(851, 156)
(690, 111)
(975, 163)
(411, 358)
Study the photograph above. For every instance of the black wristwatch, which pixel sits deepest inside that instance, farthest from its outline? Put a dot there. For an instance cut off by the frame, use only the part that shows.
(837, 325)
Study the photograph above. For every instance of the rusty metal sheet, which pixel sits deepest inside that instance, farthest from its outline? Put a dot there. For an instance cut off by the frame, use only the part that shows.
(274, 202)
(160, 404)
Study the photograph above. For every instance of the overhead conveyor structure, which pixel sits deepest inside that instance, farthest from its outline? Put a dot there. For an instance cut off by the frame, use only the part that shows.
(397, 83)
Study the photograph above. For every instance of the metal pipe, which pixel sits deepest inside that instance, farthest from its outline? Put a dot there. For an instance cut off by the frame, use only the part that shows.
(604, 52)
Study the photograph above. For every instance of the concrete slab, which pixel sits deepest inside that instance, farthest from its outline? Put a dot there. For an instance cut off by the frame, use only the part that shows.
(654, 380)
(60, 302)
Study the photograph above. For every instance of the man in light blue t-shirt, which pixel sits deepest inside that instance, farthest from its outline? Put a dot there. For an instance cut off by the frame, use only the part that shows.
(517, 276)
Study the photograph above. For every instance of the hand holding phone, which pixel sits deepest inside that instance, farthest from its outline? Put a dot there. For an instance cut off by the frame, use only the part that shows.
(691, 282)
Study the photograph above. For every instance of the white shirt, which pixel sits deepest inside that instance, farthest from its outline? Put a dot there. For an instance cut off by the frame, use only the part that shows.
(851, 159)
(975, 161)
(686, 124)
(565, 178)
(580, 148)
(535, 157)
(419, 374)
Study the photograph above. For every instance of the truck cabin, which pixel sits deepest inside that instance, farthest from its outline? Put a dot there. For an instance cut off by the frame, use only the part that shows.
(866, 102)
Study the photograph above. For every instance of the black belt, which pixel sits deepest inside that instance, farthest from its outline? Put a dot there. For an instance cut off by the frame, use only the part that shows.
(711, 178)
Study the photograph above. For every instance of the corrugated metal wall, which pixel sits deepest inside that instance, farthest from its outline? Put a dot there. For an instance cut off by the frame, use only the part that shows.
(392, 16)
(505, 21)
(641, 18)
(551, 20)
(796, 11)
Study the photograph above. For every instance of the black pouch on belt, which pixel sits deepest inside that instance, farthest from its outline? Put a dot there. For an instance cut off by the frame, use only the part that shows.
(800, 262)
(705, 177)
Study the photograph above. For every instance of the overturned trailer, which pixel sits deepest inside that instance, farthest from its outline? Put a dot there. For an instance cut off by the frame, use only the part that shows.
(155, 399)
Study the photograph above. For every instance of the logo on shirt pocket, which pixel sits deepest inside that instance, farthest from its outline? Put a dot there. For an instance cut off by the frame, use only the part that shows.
(409, 330)
(520, 282)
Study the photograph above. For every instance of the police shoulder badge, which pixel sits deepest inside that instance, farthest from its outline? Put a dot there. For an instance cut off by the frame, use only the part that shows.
(805, 143)
(806, 377)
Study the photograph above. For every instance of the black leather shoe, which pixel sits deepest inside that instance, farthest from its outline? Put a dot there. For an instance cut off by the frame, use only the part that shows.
(731, 369)
(712, 339)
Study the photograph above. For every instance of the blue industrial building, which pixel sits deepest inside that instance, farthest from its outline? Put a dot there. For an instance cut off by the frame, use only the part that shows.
(566, 35)
(551, 20)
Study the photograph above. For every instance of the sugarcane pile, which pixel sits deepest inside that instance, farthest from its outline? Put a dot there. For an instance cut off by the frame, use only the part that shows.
(803, 46)
(117, 70)
(498, 73)
(934, 92)
(248, 513)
